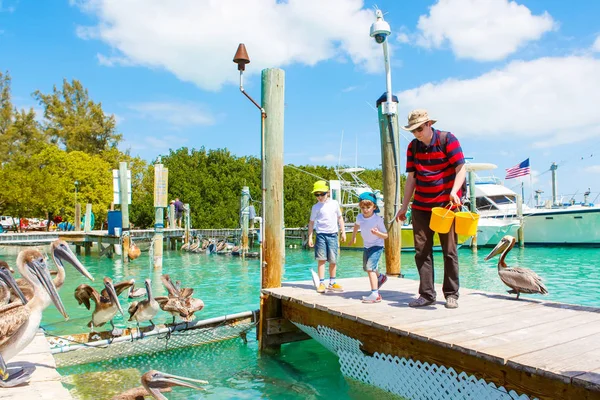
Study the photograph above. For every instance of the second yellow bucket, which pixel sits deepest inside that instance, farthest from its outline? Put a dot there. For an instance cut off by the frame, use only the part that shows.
(441, 219)
(466, 223)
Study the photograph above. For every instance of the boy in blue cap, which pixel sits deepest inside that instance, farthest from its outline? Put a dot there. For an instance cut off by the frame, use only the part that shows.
(373, 232)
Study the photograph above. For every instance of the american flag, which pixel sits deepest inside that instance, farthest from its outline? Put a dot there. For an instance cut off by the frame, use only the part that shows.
(521, 169)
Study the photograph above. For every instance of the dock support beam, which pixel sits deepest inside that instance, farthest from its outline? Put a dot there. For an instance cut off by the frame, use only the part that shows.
(388, 129)
(273, 90)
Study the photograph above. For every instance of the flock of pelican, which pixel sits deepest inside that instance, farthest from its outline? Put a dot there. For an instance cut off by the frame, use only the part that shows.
(23, 300)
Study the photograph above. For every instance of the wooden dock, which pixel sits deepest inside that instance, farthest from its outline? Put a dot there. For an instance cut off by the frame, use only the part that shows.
(541, 349)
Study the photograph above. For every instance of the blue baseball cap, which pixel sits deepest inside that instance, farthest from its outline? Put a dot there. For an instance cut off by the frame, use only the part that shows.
(371, 197)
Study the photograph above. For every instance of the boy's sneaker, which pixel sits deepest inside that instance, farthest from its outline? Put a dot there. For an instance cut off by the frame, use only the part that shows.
(321, 288)
(371, 299)
(336, 287)
(381, 279)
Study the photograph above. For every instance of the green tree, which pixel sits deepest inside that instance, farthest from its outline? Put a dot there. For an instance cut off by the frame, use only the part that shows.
(76, 122)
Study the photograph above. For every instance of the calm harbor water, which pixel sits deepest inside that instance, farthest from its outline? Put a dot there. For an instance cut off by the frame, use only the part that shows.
(303, 370)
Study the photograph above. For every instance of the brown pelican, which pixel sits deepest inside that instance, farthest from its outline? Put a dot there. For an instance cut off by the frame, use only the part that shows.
(178, 298)
(60, 251)
(156, 382)
(19, 323)
(520, 280)
(144, 310)
(8, 282)
(107, 301)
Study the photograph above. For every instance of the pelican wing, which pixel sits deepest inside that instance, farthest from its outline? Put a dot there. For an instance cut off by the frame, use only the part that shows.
(12, 317)
(166, 280)
(522, 280)
(120, 287)
(161, 300)
(186, 292)
(83, 294)
(132, 309)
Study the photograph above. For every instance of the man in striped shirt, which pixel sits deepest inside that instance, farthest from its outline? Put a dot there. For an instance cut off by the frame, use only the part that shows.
(434, 175)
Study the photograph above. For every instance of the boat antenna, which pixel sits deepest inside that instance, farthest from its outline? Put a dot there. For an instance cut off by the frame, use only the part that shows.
(306, 172)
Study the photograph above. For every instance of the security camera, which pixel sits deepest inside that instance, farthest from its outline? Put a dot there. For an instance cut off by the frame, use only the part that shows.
(380, 29)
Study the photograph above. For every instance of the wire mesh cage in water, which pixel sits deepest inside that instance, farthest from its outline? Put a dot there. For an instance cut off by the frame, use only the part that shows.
(87, 348)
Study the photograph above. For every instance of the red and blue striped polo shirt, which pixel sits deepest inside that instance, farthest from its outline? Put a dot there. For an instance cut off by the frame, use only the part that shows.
(434, 170)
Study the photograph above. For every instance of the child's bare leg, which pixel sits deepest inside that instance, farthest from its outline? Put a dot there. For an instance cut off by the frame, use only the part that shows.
(332, 270)
(321, 269)
(372, 279)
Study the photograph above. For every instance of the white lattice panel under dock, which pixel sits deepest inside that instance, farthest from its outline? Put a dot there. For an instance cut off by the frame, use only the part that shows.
(407, 378)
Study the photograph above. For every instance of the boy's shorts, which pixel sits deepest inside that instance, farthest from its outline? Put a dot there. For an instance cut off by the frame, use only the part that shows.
(326, 247)
(371, 258)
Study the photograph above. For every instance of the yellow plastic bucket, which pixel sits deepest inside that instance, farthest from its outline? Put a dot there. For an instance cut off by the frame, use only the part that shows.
(441, 219)
(466, 223)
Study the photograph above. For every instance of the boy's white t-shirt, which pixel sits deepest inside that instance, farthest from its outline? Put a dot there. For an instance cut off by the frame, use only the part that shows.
(325, 216)
(366, 224)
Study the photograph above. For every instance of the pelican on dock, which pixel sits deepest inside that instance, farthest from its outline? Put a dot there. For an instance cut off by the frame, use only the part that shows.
(191, 304)
(60, 252)
(144, 310)
(106, 302)
(155, 382)
(20, 322)
(520, 280)
(8, 282)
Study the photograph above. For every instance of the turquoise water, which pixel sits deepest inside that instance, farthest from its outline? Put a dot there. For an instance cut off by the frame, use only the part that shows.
(301, 370)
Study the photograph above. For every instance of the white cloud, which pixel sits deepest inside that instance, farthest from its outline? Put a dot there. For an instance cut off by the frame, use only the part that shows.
(596, 45)
(327, 158)
(481, 30)
(550, 101)
(196, 40)
(174, 113)
(594, 169)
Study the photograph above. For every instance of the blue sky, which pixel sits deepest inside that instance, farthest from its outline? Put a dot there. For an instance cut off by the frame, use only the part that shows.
(511, 80)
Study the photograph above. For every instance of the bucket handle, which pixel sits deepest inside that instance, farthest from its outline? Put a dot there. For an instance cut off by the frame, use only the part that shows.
(449, 206)
(471, 214)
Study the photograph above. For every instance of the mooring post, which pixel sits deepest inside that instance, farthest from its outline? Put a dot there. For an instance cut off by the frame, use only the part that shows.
(87, 226)
(521, 230)
(161, 176)
(245, 212)
(77, 217)
(172, 223)
(273, 85)
(124, 199)
(390, 161)
(473, 206)
(186, 223)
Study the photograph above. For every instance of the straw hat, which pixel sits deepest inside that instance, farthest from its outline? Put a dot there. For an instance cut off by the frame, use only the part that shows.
(416, 118)
(320, 186)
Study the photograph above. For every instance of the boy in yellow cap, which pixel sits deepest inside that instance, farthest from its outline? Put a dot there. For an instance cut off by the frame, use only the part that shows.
(326, 219)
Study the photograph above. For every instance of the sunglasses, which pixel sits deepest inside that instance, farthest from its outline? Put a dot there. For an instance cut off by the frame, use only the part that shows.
(320, 194)
(419, 129)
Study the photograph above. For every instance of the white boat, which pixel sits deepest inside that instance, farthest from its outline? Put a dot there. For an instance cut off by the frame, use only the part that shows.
(550, 224)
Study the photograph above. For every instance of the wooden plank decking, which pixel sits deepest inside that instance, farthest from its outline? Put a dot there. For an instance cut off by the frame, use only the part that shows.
(544, 349)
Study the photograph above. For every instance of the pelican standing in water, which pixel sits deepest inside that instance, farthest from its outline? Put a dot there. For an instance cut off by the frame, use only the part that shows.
(155, 382)
(19, 322)
(144, 310)
(520, 280)
(107, 302)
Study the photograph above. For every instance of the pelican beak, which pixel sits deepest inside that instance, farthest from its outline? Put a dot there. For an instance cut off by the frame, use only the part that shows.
(498, 249)
(39, 268)
(112, 294)
(182, 381)
(63, 252)
(3, 369)
(10, 281)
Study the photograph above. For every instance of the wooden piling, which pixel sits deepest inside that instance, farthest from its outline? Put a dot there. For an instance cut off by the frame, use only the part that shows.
(473, 206)
(161, 176)
(391, 186)
(273, 90)
(520, 232)
(77, 222)
(124, 200)
(87, 226)
(244, 212)
(186, 223)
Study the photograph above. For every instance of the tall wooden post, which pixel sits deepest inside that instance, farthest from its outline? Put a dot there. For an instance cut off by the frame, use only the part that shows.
(124, 199)
(87, 226)
(186, 223)
(391, 184)
(521, 230)
(77, 217)
(172, 223)
(161, 179)
(273, 246)
(245, 212)
(473, 207)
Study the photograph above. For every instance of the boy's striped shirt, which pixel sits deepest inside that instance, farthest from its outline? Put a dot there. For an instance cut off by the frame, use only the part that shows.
(434, 170)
